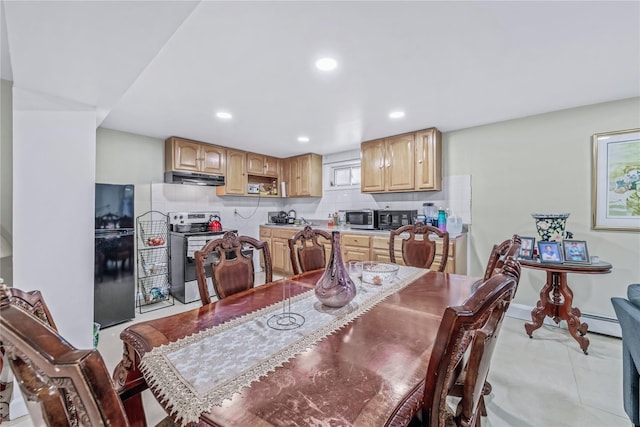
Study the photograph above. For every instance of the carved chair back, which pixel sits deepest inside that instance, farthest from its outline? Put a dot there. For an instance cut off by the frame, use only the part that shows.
(461, 357)
(421, 246)
(33, 302)
(231, 261)
(306, 252)
(63, 385)
(508, 248)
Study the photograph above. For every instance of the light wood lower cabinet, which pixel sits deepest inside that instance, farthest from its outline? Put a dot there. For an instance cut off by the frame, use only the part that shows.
(456, 259)
(280, 250)
(278, 240)
(359, 247)
(355, 247)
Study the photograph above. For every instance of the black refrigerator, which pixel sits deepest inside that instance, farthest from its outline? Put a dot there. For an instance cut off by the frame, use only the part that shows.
(114, 282)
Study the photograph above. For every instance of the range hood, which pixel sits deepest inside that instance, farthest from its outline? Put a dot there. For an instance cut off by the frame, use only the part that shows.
(193, 178)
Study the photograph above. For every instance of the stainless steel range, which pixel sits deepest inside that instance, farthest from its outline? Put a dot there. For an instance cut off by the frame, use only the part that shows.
(189, 232)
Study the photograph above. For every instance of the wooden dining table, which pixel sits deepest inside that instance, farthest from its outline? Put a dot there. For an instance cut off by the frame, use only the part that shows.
(369, 372)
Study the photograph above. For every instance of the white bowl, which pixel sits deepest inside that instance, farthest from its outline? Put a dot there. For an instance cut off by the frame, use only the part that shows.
(378, 273)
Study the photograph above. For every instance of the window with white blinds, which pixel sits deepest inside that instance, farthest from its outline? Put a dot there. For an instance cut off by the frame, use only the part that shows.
(344, 175)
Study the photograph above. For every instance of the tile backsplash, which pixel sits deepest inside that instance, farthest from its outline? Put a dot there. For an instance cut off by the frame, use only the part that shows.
(246, 214)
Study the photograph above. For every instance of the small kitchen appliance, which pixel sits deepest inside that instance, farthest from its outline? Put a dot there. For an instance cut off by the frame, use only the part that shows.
(363, 218)
(292, 217)
(391, 220)
(214, 223)
(430, 213)
(277, 218)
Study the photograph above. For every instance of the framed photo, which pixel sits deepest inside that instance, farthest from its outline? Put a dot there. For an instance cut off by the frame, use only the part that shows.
(549, 252)
(575, 251)
(526, 248)
(615, 181)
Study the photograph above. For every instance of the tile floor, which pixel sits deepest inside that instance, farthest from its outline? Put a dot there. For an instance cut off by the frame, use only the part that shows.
(542, 382)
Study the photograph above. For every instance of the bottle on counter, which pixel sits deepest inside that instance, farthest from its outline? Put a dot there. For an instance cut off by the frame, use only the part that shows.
(274, 188)
(442, 219)
(454, 224)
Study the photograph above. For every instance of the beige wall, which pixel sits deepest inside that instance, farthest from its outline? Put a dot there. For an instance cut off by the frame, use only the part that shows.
(543, 164)
(125, 158)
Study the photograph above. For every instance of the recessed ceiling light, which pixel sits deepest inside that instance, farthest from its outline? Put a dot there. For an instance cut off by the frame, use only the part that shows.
(396, 114)
(303, 139)
(223, 115)
(326, 64)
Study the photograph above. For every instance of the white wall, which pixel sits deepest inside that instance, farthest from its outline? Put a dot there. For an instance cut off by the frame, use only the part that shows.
(543, 164)
(53, 207)
(6, 168)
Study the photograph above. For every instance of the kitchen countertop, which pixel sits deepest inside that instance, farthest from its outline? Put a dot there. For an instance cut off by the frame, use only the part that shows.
(329, 229)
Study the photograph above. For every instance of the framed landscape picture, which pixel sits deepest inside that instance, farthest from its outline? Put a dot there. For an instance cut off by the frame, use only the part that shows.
(615, 183)
(575, 251)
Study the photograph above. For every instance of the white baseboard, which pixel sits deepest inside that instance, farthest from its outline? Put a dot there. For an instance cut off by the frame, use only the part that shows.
(597, 324)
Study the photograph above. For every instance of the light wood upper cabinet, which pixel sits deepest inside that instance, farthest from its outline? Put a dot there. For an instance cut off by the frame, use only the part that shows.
(388, 164)
(407, 162)
(303, 175)
(213, 159)
(259, 164)
(186, 155)
(246, 174)
(236, 175)
(429, 159)
(400, 152)
(372, 167)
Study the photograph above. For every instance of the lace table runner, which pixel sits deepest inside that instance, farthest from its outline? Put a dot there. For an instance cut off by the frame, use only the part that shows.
(202, 370)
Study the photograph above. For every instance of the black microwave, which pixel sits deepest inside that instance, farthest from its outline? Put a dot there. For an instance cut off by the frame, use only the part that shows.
(363, 218)
(391, 220)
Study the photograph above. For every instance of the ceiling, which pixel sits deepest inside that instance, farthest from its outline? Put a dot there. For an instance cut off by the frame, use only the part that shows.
(163, 68)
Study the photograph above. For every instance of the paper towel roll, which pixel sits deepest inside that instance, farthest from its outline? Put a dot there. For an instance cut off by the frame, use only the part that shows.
(283, 189)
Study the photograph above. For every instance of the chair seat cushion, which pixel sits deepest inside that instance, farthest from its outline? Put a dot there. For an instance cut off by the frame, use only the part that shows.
(633, 294)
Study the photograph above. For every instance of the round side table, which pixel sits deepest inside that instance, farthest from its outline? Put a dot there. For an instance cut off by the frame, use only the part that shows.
(556, 297)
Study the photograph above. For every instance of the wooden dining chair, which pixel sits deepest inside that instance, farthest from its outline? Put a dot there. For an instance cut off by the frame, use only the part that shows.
(306, 252)
(461, 356)
(508, 248)
(230, 259)
(65, 386)
(33, 302)
(421, 246)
